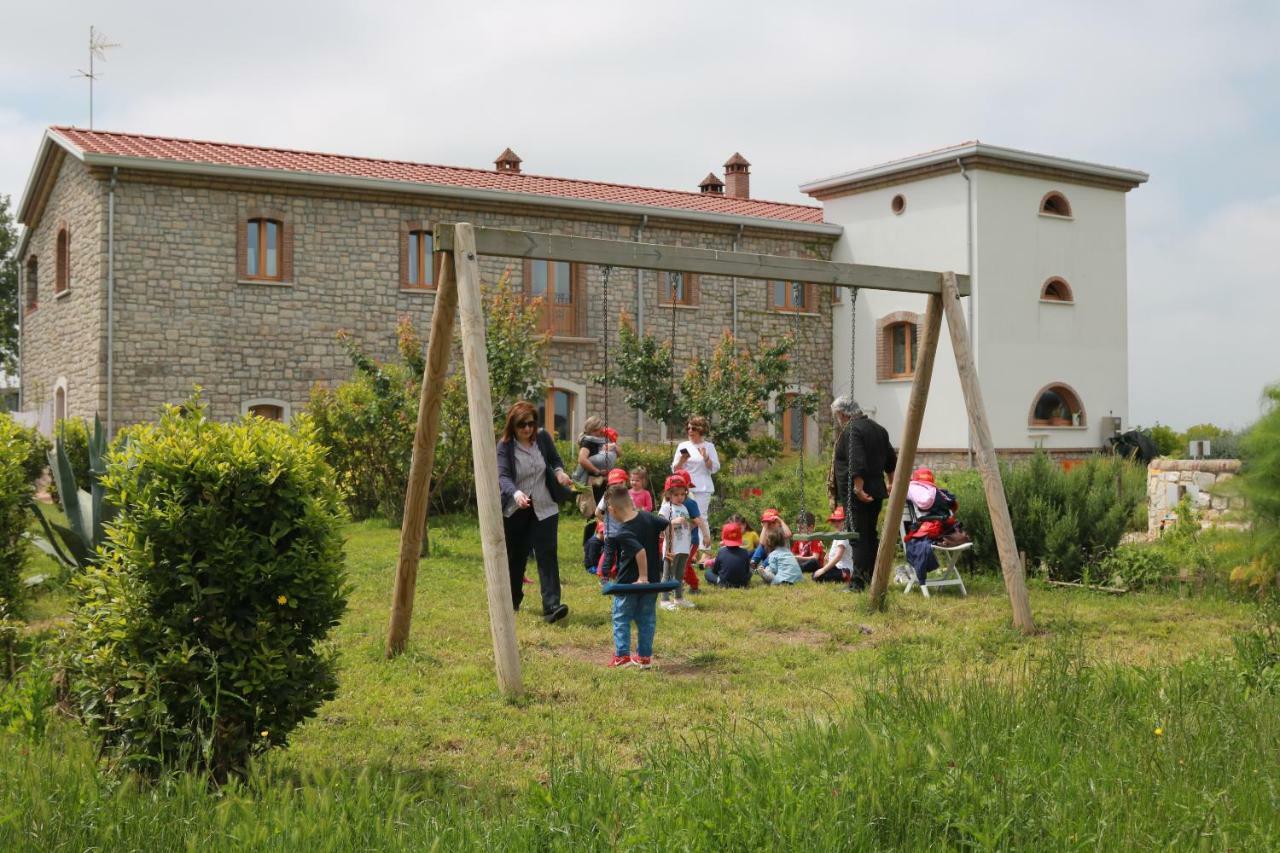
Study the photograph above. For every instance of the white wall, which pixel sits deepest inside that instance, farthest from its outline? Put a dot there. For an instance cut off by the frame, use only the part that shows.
(930, 233)
(1025, 344)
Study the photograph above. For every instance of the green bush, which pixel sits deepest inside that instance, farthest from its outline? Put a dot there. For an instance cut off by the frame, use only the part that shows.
(1260, 473)
(1136, 567)
(200, 631)
(1067, 520)
(38, 448)
(15, 492)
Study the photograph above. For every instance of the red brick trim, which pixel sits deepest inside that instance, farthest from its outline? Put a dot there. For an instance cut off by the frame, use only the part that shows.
(1074, 396)
(884, 356)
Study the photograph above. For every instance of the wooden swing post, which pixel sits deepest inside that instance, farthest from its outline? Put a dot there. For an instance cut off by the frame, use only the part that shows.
(414, 525)
(1001, 524)
(484, 455)
(891, 533)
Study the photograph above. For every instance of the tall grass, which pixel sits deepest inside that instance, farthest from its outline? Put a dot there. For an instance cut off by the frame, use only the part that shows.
(1063, 756)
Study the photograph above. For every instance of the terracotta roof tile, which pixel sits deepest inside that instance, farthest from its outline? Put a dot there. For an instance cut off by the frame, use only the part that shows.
(338, 165)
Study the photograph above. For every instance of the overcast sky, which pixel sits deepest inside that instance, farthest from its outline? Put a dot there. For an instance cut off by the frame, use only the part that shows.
(659, 93)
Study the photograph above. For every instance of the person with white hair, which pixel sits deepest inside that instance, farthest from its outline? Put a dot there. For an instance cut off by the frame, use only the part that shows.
(863, 461)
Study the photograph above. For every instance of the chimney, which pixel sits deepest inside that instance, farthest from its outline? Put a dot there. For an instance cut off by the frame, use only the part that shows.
(508, 162)
(711, 185)
(737, 176)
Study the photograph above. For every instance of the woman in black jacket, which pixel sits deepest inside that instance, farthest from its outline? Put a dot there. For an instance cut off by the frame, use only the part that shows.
(533, 483)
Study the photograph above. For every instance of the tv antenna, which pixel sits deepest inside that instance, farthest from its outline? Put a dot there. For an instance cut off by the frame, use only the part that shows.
(98, 47)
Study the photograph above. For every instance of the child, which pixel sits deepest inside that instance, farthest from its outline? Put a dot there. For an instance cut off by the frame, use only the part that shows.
(808, 554)
(839, 565)
(637, 544)
(770, 522)
(701, 531)
(640, 495)
(733, 564)
(779, 565)
(593, 553)
(602, 450)
(677, 541)
(608, 559)
(750, 540)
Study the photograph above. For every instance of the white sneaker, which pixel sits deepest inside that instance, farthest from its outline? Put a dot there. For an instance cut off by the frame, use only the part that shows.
(685, 603)
(668, 605)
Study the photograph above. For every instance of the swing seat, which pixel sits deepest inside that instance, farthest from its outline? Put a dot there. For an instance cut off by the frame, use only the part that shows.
(614, 588)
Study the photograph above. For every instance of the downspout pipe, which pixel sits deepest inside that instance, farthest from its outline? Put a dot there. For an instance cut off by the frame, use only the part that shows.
(737, 239)
(23, 284)
(644, 222)
(973, 290)
(111, 296)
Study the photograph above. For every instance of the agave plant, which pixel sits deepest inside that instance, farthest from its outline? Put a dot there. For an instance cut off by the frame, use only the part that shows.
(75, 544)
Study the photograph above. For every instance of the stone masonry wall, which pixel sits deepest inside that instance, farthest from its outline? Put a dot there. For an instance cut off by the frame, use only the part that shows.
(1168, 480)
(183, 319)
(62, 338)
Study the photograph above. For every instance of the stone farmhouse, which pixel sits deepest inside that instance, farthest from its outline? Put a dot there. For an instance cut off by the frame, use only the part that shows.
(150, 265)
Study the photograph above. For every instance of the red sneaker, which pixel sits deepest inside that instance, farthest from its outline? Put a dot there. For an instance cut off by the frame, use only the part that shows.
(620, 661)
(643, 663)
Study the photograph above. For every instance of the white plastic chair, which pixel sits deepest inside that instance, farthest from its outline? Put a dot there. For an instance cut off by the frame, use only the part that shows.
(947, 573)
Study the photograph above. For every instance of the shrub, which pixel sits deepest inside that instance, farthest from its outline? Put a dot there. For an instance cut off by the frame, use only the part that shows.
(74, 433)
(1258, 650)
(38, 448)
(1067, 520)
(1136, 567)
(1261, 479)
(15, 493)
(199, 632)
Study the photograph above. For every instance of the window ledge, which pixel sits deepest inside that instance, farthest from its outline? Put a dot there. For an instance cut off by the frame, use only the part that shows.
(65, 292)
(1056, 427)
(1056, 216)
(901, 380)
(573, 339)
(261, 282)
(680, 306)
(404, 288)
(1044, 301)
(788, 312)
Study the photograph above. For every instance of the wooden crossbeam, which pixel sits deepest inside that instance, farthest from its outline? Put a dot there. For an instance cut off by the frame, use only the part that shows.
(653, 256)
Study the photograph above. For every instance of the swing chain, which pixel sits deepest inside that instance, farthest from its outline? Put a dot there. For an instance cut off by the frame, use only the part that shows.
(604, 273)
(853, 351)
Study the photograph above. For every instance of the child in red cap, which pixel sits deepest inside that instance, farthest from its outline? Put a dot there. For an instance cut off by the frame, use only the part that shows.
(701, 532)
(608, 558)
(676, 541)
(732, 567)
(839, 564)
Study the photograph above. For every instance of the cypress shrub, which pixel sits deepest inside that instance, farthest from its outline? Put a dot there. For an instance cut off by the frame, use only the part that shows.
(200, 632)
(15, 491)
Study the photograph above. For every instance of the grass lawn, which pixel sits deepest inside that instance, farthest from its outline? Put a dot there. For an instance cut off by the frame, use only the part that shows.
(745, 659)
(774, 719)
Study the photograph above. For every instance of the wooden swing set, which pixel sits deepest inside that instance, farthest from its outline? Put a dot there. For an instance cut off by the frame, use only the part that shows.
(458, 292)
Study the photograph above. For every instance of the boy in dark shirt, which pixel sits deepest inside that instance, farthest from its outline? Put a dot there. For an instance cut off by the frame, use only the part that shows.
(639, 561)
(733, 564)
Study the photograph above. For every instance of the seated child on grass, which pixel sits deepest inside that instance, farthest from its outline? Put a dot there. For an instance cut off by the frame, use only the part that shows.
(593, 551)
(779, 565)
(677, 541)
(750, 539)
(637, 546)
(839, 564)
(808, 554)
(732, 566)
(770, 521)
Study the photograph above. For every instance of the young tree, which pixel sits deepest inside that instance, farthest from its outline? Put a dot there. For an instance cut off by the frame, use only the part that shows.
(8, 290)
(642, 367)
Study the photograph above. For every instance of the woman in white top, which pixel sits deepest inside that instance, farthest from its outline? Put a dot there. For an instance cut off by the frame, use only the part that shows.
(698, 456)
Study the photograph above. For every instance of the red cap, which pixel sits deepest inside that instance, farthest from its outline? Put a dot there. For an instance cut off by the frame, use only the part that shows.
(731, 534)
(674, 482)
(686, 476)
(611, 433)
(769, 515)
(618, 475)
(837, 515)
(923, 475)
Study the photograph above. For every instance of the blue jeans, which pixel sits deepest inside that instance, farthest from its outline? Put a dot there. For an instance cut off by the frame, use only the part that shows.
(641, 609)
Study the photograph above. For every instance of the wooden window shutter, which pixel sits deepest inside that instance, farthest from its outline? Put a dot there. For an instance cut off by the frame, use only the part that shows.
(286, 249)
(578, 282)
(882, 350)
(810, 297)
(691, 287)
(405, 228)
(242, 248)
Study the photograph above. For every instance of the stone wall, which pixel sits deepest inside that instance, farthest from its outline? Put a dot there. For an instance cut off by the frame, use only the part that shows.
(62, 338)
(1204, 480)
(183, 318)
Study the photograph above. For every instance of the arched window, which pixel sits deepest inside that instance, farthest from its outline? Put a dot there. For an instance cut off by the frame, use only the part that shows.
(267, 407)
(62, 262)
(1056, 290)
(898, 204)
(556, 413)
(60, 403)
(1057, 405)
(897, 344)
(33, 283)
(1055, 204)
